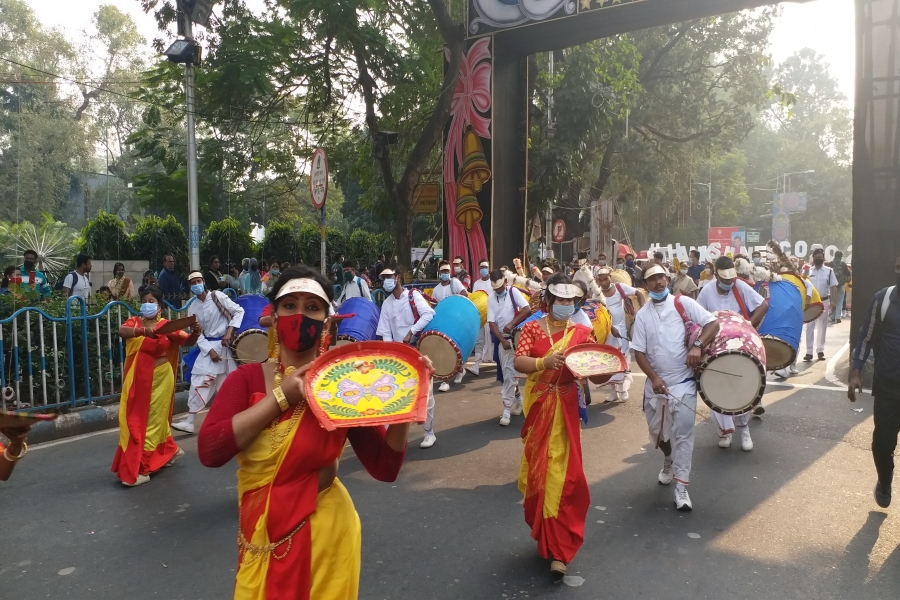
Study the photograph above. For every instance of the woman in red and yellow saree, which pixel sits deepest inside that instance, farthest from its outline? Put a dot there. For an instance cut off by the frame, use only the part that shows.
(552, 476)
(148, 393)
(298, 534)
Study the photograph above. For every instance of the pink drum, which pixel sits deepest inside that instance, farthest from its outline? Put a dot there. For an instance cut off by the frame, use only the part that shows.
(732, 378)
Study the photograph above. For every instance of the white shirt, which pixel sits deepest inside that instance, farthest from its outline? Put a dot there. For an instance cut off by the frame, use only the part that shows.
(397, 317)
(659, 333)
(214, 324)
(351, 290)
(441, 291)
(616, 306)
(711, 300)
(580, 318)
(500, 310)
(482, 285)
(82, 285)
(585, 278)
(823, 279)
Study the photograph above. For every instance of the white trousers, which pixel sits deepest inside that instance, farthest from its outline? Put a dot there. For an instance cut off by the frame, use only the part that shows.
(510, 386)
(820, 326)
(428, 425)
(203, 390)
(673, 422)
(483, 349)
(727, 423)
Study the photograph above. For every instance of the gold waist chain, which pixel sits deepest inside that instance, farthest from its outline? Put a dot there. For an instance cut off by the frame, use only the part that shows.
(254, 552)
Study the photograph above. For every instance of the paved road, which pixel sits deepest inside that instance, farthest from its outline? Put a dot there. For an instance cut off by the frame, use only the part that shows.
(792, 519)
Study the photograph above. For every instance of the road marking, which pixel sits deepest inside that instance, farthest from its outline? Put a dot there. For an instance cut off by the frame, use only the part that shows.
(74, 438)
(810, 386)
(829, 368)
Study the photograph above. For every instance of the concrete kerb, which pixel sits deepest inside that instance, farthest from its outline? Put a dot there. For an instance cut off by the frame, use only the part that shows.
(87, 420)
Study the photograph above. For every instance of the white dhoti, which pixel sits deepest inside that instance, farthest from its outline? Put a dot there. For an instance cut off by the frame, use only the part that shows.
(428, 425)
(510, 375)
(672, 421)
(727, 423)
(620, 381)
(207, 376)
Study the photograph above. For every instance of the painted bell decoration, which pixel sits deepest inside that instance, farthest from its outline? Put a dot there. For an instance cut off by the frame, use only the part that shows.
(474, 173)
(468, 211)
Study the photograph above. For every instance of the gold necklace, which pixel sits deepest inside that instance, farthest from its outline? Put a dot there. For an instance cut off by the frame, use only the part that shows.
(548, 322)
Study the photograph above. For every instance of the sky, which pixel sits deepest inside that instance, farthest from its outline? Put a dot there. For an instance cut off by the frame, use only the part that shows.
(827, 26)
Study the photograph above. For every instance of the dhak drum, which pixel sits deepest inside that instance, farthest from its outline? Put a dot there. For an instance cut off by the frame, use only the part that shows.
(480, 299)
(517, 332)
(732, 378)
(815, 307)
(781, 328)
(251, 343)
(450, 337)
(362, 326)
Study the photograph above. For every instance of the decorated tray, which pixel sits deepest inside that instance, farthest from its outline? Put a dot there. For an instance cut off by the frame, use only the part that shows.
(368, 383)
(588, 360)
(22, 419)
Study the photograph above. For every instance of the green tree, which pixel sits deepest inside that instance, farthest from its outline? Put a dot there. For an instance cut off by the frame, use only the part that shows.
(105, 238)
(228, 239)
(280, 242)
(154, 237)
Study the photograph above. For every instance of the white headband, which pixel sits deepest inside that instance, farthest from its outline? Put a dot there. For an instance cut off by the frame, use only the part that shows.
(727, 273)
(654, 270)
(195, 275)
(309, 286)
(565, 290)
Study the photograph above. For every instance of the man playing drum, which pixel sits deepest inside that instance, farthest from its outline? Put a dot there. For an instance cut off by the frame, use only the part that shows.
(449, 286)
(670, 394)
(219, 318)
(507, 307)
(730, 293)
(483, 284)
(404, 314)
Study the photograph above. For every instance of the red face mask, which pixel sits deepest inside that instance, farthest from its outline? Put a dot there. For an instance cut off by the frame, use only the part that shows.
(298, 332)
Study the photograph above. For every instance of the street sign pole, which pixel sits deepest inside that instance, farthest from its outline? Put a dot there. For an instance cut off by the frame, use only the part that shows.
(318, 191)
(322, 227)
(193, 210)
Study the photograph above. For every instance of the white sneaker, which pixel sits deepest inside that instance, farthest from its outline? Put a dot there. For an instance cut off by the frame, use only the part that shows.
(682, 499)
(516, 409)
(781, 373)
(444, 387)
(475, 370)
(178, 454)
(183, 426)
(793, 370)
(141, 480)
(429, 441)
(746, 440)
(623, 396)
(504, 420)
(459, 377)
(665, 475)
(725, 441)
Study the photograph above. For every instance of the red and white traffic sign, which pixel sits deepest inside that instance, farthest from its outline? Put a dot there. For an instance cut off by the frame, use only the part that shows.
(318, 178)
(559, 230)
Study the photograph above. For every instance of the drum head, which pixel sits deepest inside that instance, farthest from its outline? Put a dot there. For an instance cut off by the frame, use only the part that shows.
(442, 352)
(779, 354)
(252, 346)
(813, 311)
(732, 384)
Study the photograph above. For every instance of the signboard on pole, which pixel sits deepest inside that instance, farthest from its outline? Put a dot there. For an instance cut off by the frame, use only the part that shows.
(733, 238)
(559, 230)
(425, 197)
(318, 178)
(752, 237)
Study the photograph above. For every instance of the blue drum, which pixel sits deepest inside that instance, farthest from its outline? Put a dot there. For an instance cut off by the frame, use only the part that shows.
(517, 332)
(781, 328)
(251, 342)
(362, 326)
(450, 337)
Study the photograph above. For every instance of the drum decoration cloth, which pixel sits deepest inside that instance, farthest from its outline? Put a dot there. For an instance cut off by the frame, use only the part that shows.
(781, 328)
(732, 378)
(588, 360)
(450, 337)
(599, 317)
(517, 332)
(251, 346)
(814, 308)
(253, 305)
(480, 299)
(368, 383)
(362, 326)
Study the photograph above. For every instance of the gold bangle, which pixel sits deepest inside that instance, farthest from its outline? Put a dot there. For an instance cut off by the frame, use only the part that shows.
(539, 364)
(283, 404)
(12, 458)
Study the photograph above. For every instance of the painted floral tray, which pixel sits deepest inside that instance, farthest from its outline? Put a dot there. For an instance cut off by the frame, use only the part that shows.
(368, 383)
(588, 360)
(21, 419)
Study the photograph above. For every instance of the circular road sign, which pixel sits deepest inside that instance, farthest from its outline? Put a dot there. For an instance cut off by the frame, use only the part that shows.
(559, 230)
(318, 178)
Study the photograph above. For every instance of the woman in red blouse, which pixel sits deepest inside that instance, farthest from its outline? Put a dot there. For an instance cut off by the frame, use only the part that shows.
(299, 534)
(552, 476)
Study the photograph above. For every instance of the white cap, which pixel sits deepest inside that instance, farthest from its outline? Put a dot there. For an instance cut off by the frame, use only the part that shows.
(195, 275)
(305, 285)
(548, 270)
(727, 273)
(654, 270)
(603, 271)
(498, 284)
(565, 290)
(386, 273)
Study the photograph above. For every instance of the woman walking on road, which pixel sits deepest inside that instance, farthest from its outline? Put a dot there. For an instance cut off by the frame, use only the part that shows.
(298, 531)
(148, 392)
(552, 476)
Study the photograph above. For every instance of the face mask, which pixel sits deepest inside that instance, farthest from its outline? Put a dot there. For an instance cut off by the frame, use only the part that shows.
(660, 295)
(348, 276)
(819, 261)
(298, 332)
(198, 288)
(389, 285)
(630, 263)
(149, 309)
(274, 272)
(484, 272)
(756, 260)
(500, 293)
(601, 262)
(457, 269)
(29, 265)
(724, 287)
(563, 312)
(445, 276)
(683, 271)
(620, 266)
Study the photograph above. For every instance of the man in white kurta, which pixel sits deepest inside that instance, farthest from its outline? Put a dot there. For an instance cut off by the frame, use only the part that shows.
(670, 393)
(449, 286)
(507, 307)
(219, 318)
(482, 352)
(825, 282)
(398, 323)
(721, 296)
(614, 295)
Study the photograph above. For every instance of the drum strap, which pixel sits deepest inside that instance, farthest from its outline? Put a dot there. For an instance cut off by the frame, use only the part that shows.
(228, 316)
(412, 305)
(740, 301)
(626, 301)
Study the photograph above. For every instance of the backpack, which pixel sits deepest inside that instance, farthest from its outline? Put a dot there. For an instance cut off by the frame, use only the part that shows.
(62, 280)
